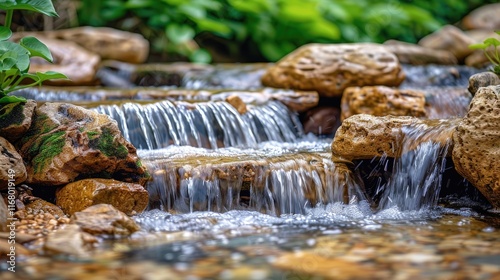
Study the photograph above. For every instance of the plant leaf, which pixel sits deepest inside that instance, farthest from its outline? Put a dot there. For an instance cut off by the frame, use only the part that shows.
(22, 55)
(36, 48)
(12, 99)
(492, 42)
(5, 33)
(179, 33)
(42, 6)
(478, 46)
(50, 75)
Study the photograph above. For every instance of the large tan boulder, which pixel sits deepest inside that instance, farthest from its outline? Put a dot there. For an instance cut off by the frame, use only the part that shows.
(129, 198)
(12, 169)
(68, 141)
(418, 55)
(331, 68)
(449, 38)
(104, 219)
(15, 119)
(365, 136)
(476, 153)
(382, 101)
(484, 17)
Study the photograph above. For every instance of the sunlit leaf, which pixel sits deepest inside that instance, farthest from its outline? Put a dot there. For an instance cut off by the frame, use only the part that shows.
(492, 42)
(5, 33)
(179, 33)
(478, 46)
(36, 48)
(12, 99)
(50, 75)
(42, 6)
(206, 24)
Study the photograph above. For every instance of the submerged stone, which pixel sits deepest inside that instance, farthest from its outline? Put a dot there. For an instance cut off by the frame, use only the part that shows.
(331, 68)
(12, 169)
(476, 153)
(127, 197)
(67, 142)
(15, 119)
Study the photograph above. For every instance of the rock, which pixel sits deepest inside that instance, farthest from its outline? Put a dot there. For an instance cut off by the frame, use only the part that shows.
(67, 142)
(331, 68)
(382, 101)
(449, 38)
(418, 55)
(482, 79)
(104, 219)
(476, 153)
(15, 119)
(107, 42)
(129, 198)
(39, 218)
(365, 136)
(20, 249)
(41, 206)
(4, 211)
(12, 167)
(237, 103)
(78, 64)
(484, 17)
(322, 120)
(69, 240)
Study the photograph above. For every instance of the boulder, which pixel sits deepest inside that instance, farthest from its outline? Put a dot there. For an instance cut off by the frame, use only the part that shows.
(417, 55)
(484, 17)
(67, 142)
(331, 68)
(476, 152)
(15, 119)
(482, 79)
(322, 120)
(365, 136)
(449, 38)
(129, 198)
(12, 167)
(104, 219)
(382, 101)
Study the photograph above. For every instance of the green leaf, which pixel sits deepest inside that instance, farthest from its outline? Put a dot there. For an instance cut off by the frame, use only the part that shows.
(22, 55)
(492, 42)
(179, 33)
(206, 24)
(50, 75)
(36, 48)
(200, 56)
(5, 33)
(478, 46)
(42, 6)
(12, 99)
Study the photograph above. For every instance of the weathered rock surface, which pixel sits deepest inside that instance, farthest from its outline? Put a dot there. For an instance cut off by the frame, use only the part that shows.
(331, 68)
(418, 55)
(365, 136)
(41, 206)
(104, 219)
(484, 17)
(12, 167)
(129, 198)
(3, 214)
(482, 79)
(69, 240)
(67, 142)
(15, 119)
(449, 38)
(77, 63)
(322, 120)
(476, 153)
(382, 101)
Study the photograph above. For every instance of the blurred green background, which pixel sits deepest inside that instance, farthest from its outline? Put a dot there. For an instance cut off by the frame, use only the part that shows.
(261, 30)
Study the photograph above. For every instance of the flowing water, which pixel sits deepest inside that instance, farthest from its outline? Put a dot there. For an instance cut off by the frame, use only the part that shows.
(249, 196)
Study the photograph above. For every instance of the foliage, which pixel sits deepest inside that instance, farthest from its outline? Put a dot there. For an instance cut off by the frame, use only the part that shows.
(490, 48)
(15, 58)
(272, 27)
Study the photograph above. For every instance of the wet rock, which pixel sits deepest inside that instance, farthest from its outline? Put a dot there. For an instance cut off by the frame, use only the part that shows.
(4, 211)
(418, 55)
(449, 38)
(129, 198)
(331, 68)
(39, 205)
(484, 17)
(322, 120)
(365, 136)
(476, 153)
(19, 251)
(78, 64)
(69, 240)
(39, 219)
(237, 103)
(482, 79)
(104, 219)
(382, 101)
(12, 167)
(67, 142)
(107, 42)
(15, 119)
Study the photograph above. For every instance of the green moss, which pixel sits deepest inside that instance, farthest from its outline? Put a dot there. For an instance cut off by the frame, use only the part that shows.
(47, 148)
(92, 135)
(11, 113)
(108, 146)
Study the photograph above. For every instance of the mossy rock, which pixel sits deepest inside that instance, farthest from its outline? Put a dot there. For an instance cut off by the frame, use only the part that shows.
(15, 119)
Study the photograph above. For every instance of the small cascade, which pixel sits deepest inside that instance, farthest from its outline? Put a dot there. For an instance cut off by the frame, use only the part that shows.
(273, 181)
(416, 178)
(203, 124)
